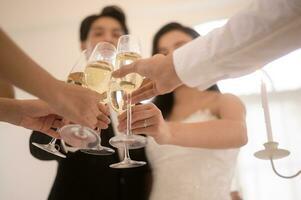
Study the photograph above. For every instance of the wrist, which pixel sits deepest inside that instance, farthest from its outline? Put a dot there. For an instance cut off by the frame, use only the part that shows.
(11, 111)
(173, 79)
(53, 92)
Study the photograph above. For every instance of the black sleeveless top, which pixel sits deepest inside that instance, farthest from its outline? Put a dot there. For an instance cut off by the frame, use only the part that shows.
(83, 176)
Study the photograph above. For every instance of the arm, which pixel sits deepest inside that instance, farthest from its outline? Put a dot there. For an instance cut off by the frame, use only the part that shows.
(31, 114)
(19, 69)
(227, 132)
(37, 115)
(75, 103)
(263, 32)
(6, 90)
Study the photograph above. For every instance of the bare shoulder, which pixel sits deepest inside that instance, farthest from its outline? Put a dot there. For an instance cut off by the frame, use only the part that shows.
(230, 104)
(229, 98)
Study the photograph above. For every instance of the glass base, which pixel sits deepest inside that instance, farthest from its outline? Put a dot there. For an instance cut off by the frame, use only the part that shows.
(50, 149)
(127, 163)
(131, 141)
(99, 151)
(80, 136)
(72, 149)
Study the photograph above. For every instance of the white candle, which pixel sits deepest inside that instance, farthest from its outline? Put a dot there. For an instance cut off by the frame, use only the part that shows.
(265, 106)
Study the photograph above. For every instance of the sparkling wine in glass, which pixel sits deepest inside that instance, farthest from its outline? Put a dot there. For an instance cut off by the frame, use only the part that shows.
(98, 77)
(128, 51)
(77, 135)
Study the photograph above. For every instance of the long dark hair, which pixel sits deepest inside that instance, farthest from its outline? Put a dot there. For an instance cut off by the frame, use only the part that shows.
(166, 102)
(114, 12)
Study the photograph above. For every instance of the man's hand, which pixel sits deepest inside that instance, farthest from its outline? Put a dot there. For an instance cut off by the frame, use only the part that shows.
(159, 69)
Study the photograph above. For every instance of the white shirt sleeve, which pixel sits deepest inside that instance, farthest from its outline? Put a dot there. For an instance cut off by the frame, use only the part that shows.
(264, 31)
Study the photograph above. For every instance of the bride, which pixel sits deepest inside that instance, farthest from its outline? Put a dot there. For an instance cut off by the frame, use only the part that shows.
(195, 135)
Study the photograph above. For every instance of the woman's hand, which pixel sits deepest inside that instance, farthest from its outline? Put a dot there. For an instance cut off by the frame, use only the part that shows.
(147, 119)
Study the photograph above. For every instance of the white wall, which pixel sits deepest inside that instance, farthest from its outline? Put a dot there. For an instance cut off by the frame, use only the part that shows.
(257, 180)
(48, 31)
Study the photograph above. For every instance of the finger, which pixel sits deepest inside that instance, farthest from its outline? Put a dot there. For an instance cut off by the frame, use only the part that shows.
(57, 123)
(52, 133)
(145, 82)
(104, 96)
(124, 70)
(147, 131)
(102, 125)
(46, 122)
(144, 123)
(143, 94)
(66, 121)
(136, 108)
(138, 116)
(104, 109)
(142, 115)
(147, 86)
(104, 119)
(97, 108)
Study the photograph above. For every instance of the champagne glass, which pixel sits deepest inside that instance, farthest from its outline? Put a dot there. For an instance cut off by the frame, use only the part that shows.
(119, 105)
(98, 76)
(74, 134)
(128, 51)
(52, 147)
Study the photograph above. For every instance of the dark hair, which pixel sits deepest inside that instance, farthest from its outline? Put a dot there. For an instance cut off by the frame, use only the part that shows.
(166, 102)
(173, 26)
(109, 11)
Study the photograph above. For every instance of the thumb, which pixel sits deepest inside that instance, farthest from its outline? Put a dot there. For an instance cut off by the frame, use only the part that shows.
(126, 69)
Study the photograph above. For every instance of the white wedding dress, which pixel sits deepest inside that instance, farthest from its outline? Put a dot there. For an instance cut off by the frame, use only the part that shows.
(181, 173)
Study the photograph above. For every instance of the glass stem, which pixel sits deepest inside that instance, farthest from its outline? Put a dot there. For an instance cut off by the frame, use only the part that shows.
(129, 114)
(126, 153)
(129, 127)
(52, 142)
(99, 130)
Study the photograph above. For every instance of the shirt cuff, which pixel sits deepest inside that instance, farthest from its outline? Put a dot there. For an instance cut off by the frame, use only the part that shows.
(194, 66)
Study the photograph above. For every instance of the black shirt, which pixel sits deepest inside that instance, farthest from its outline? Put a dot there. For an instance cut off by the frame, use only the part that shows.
(83, 176)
